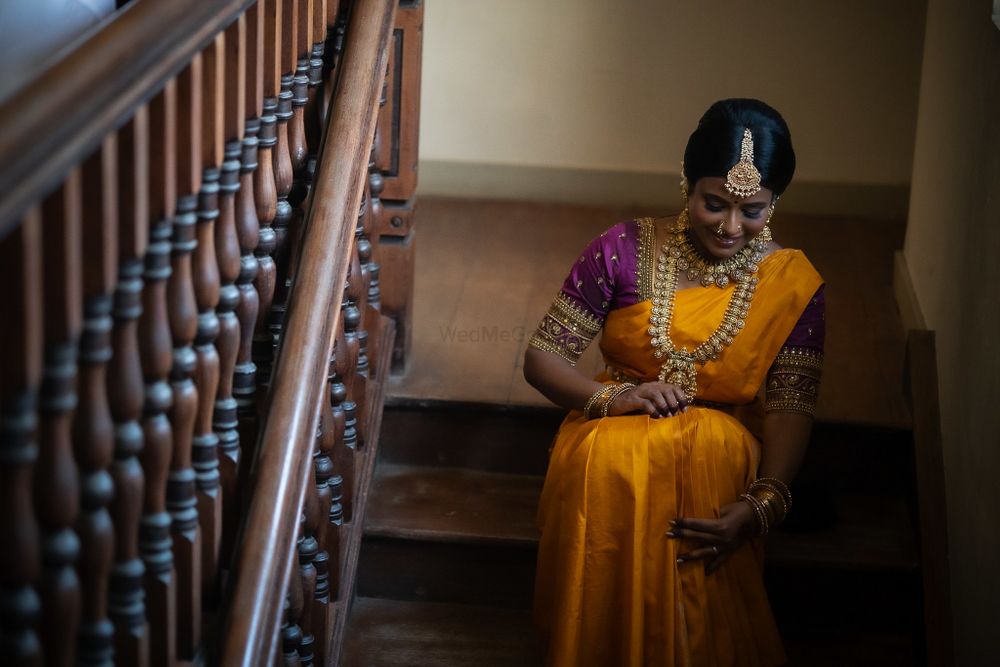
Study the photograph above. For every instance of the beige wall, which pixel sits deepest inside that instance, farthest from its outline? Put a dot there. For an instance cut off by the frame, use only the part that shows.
(614, 88)
(952, 242)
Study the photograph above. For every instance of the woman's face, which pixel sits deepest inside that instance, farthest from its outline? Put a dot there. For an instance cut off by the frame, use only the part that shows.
(710, 204)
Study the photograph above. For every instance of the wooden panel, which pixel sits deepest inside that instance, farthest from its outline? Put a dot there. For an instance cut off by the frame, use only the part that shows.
(923, 393)
(399, 122)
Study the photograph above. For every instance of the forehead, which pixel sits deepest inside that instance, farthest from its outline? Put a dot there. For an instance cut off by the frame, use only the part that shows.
(715, 185)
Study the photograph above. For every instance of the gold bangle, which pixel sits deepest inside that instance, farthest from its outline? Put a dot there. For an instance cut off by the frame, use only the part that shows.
(618, 391)
(759, 515)
(778, 487)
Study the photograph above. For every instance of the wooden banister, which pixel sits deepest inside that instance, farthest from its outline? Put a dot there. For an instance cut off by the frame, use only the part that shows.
(283, 469)
(96, 89)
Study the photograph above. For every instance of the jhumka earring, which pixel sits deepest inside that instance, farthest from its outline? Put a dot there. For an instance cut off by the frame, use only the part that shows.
(743, 180)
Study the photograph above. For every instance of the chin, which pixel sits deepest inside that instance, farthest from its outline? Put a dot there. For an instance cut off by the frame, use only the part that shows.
(721, 248)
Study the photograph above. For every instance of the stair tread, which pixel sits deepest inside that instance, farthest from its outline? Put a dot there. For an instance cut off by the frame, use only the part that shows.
(388, 633)
(472, 506)
(453, 504)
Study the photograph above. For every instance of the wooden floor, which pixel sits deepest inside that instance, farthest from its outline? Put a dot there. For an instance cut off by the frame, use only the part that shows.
(486, 272)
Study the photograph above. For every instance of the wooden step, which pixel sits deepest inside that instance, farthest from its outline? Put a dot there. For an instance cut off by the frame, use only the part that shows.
(469, 506)
(394, 633)
(841, 456)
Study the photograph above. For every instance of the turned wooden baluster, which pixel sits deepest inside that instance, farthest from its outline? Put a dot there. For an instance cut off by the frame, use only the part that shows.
(291, 634)
(283, 166)
(93, 429)
(314, 111)
(181, 496)
(368, 251)
(55, 479)
(226, 463)
(21, 272)
(356, 336)
(266, 194)
(326, 439)
(126, 604)
(336, 23)
(213, 228)
(154, 532)
(307, 550)
(344, 453)
(334, 538)
(248, 232)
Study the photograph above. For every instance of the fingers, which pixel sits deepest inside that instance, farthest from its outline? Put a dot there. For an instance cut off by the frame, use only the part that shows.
(713, 526)
(703, 553)
(713, 564)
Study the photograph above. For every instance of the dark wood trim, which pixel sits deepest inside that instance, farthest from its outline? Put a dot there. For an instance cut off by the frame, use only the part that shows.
(283, 467)
(922, 392)
(53, 123)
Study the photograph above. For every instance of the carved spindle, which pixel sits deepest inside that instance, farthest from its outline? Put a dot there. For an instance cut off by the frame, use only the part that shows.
(205, 454)
(344, 410)
(291, 634)
(21, 272)
(314, 113)
(228, 342)
(57, 491)
(333, 49)
(368, 251)
(93, 429)
(266, 197)
(285, 213)
(126, 599)
(245, 373)
(323, 471)
(154, 531)
(334, 536)
(186, 396)
(356, 380)
(307, 550)
(297, 144)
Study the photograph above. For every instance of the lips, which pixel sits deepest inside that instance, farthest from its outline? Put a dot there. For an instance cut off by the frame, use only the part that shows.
(723, 242)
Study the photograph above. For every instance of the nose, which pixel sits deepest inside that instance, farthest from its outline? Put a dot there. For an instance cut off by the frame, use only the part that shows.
(730, 225)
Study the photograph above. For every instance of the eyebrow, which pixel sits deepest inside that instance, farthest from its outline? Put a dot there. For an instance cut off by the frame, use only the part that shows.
(726, 200)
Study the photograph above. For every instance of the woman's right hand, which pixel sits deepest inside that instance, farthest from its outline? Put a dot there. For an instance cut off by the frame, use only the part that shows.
(656, 399)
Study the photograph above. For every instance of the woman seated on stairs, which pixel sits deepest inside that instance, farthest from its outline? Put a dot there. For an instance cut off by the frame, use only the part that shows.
(669, 467)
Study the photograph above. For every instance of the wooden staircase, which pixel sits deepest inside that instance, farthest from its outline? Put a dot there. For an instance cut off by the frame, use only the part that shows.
(447, 565)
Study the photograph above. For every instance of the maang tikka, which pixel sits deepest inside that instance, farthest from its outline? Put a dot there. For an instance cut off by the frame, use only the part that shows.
(743, 180)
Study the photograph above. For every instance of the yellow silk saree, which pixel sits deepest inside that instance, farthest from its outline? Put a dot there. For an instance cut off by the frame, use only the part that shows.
(609, 590)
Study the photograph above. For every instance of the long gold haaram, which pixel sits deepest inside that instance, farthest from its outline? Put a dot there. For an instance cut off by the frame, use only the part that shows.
(679, 366)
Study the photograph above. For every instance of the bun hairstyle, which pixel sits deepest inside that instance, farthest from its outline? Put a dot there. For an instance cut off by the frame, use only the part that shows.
(714, 146)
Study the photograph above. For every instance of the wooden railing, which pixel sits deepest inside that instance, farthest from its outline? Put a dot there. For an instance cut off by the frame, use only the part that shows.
(195, 352)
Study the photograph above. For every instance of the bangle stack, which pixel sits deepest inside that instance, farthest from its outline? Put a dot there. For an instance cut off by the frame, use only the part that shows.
(770, 500)
(600, 401)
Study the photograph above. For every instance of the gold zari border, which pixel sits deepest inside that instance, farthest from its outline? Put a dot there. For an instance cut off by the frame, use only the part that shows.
(793, 381)
(566, 330)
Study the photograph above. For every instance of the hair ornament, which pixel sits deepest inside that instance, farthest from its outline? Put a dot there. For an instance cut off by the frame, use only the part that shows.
(743, 180)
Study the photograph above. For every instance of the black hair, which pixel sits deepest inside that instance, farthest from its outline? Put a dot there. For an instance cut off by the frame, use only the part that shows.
(714, 146)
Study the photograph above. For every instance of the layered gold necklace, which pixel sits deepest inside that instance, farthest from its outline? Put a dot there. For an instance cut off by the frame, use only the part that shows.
(678, 254)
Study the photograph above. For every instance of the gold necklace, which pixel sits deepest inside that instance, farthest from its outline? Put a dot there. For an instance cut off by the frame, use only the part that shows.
(719, 273)
(679, 365)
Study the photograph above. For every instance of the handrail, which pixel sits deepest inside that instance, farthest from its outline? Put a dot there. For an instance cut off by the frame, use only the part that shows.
(283, 467)
(56, 121)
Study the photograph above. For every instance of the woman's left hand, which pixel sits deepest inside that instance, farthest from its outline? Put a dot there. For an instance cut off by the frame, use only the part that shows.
(718, 538)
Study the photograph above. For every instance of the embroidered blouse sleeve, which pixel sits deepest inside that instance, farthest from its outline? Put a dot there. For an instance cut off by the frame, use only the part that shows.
(794, 377)
(577, 314)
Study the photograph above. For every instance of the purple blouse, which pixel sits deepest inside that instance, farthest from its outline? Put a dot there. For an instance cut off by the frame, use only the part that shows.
(606, 277)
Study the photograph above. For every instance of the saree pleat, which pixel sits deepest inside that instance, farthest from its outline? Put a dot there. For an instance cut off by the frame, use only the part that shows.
(609, 590)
